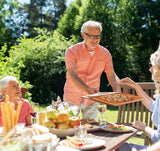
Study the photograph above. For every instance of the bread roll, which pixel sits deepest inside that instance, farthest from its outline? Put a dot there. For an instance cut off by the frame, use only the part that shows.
(43, 138)
(36, 131)
(28, 132)
(42, 129)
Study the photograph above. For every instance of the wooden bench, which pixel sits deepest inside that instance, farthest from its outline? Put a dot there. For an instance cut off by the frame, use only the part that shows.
(137, 111)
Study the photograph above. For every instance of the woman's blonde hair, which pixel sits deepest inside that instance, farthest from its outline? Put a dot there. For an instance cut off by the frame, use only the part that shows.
(155, 62)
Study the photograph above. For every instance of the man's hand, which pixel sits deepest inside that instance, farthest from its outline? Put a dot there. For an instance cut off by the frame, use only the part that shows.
(92, 90)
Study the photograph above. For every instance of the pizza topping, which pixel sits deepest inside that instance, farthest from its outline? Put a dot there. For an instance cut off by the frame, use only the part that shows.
(117, 97)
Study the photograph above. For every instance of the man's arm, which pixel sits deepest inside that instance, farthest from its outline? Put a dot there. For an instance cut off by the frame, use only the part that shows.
(79, 83)
(113, 78)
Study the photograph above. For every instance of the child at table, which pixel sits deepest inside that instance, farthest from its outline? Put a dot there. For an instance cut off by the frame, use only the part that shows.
(150, 104)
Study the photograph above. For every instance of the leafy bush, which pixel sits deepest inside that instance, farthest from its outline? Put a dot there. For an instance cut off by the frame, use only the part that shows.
(43, 64)
(7, 68)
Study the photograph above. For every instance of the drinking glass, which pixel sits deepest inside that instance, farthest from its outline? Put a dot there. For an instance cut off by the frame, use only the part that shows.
(75, 111)
(20, 127)
(102, 121)
(102, 108)
(34, 110)
(80, 131)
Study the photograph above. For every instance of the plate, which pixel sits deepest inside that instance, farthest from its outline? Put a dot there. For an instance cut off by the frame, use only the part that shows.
(113, 98)
(45, 146)
(92, 143)
(62, 133)
(105, 128)
(93, 129)
(65, 148)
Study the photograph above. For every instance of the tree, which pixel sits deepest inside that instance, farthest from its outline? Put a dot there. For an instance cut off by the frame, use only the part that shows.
(138, 28)
(43, 14)
(130, 31)
(7, 9)
(43, 64)
(66, 24)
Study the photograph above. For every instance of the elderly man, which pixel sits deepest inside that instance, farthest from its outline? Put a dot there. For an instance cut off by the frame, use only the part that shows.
(85, 62)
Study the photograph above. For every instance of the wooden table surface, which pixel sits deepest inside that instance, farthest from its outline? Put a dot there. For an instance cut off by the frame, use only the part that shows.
(113, 140)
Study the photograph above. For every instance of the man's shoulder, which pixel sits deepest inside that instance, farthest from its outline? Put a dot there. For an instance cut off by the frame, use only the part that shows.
(75, 48)
(104, 50)
(77, 45)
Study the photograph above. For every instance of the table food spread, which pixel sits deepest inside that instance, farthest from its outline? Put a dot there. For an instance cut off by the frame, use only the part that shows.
(113, 98)
(57, 130)
(39, 136)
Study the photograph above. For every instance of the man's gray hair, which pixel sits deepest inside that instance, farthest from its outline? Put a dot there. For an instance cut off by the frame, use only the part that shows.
(4, 82)
(91, 23)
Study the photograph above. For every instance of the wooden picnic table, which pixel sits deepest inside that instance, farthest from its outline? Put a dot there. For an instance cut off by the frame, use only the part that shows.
(113, 140)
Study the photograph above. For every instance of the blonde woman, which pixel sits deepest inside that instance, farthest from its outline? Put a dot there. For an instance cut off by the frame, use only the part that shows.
(150, 104)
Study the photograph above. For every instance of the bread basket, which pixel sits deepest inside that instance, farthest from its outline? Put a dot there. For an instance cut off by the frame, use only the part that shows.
(62, 133)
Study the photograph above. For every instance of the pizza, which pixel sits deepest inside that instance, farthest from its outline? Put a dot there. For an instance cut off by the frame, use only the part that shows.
(116, 99)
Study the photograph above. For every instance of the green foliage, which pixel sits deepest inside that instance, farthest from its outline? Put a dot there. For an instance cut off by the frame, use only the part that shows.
(41, 14)
(6, 12)
(43, 64)
(130, 31)
(67, 21)
(7, 68)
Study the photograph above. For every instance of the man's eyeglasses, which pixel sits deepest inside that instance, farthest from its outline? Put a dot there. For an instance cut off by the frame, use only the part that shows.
(93, 36)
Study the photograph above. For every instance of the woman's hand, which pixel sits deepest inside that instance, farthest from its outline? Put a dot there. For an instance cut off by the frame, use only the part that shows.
(128, 81)
(139, 125)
